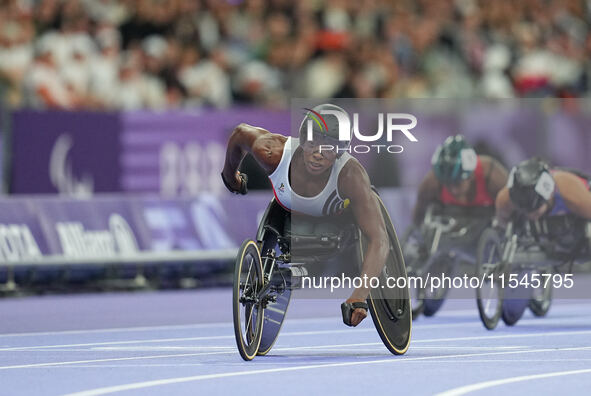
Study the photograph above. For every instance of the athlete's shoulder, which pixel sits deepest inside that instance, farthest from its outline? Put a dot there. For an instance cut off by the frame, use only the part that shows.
(268, 149)
(353, 177)
(352, 167)
(487, 161)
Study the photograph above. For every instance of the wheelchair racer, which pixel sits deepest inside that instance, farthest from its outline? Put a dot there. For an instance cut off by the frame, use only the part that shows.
(315, 177)
(459, 177)
(537, 190)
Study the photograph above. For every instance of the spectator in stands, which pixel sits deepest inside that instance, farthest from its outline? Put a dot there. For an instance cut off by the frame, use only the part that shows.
(44, 87)
(265, 51)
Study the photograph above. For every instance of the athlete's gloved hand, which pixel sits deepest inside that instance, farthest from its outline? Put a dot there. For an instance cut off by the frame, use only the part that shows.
(354, 311)
(240, 184)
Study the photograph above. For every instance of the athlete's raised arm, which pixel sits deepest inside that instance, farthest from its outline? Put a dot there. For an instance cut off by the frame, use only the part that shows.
(428, 193)
(355, 185)
(504, 208)
(497, 175)
(576, 195)
(265, 147)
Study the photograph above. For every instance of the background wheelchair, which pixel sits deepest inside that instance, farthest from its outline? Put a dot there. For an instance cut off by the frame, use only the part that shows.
(266, 273)
(446, 239)
(518, 266)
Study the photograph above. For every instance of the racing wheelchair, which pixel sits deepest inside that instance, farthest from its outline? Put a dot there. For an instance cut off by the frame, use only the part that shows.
(517, 266)
(269, 268)
(445, 240)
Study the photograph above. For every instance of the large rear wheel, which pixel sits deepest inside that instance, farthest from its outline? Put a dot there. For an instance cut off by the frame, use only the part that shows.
(390, 307)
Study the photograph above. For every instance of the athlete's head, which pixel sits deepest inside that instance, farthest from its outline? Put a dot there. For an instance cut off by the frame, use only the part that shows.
(325, 134)
(531, 187)
(453, 163)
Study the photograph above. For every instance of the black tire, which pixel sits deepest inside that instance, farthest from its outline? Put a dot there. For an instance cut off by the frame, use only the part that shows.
(417, 298)
(413, 270)
(488, 262)
(275, 311)
(541, 301)
(248, 281)
(275, 217)
(390, 308)
(513, 310)
(434, 302)
(516, 300)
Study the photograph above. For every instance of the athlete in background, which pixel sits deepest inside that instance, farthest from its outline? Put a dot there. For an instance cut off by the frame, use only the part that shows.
(537, 190)
(459, 177)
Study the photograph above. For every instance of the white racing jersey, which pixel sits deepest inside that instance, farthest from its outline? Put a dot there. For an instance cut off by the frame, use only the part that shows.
(327, 202)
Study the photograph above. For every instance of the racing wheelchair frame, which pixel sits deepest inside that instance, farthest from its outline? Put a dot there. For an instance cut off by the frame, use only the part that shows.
(265, 276)
(526, 248)
(444, 240)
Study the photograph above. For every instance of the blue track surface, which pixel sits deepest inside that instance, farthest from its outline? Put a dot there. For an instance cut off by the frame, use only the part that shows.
(182, 343)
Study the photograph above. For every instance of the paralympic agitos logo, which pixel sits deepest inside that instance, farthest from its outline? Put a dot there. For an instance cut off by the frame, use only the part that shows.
(334, 123)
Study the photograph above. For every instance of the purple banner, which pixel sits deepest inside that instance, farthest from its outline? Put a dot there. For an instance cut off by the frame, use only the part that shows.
(180, 153)
(112, 227)
(65, 152)
(3, 120)
(22, 236)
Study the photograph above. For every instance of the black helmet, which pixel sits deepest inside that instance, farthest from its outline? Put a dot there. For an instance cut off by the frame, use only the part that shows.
(530, 184)
(454, 160)
(322, 126)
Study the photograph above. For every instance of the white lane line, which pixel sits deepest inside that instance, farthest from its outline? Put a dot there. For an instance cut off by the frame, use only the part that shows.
(153, 328)
(169, 381)
(471, 347)
(305, 333)
(232, 350)
(158, 348)
(119, 330)
(223, 337)
(21, 366)
(508, 361)
(378, 345)
(417, 327)
(489, 384)
(274, 364)
(444, 313)
(556, 308)
(499, 337)
(191, 326)
(314, 347)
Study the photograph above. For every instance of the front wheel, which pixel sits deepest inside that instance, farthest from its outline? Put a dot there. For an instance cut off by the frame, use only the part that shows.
(434, 299)
(516, 301)
(411, 249)
(541, 300)
(247, 307)
(489, 296)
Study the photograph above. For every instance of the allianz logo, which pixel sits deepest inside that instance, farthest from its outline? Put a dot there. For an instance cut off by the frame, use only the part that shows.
(17, 243)
(118, 240)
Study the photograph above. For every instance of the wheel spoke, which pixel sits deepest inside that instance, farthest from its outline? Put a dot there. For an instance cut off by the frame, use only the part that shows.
(247, 327)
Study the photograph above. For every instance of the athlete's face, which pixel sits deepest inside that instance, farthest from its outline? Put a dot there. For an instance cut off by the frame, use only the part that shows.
(317, 161)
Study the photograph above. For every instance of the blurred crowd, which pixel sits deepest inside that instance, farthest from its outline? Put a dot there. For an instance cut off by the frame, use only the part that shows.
(158, 54)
